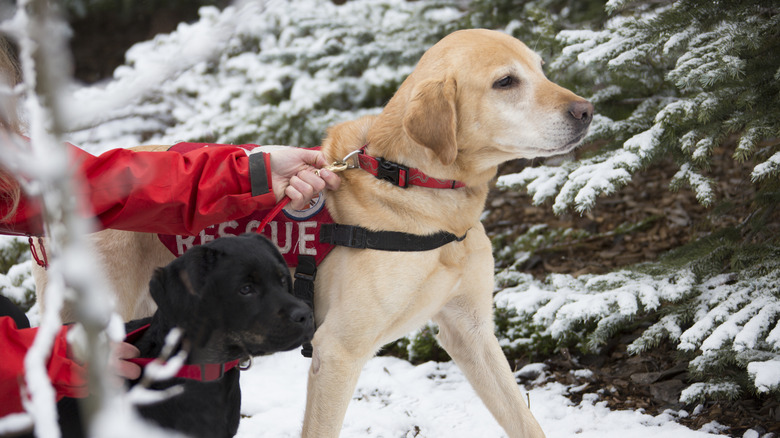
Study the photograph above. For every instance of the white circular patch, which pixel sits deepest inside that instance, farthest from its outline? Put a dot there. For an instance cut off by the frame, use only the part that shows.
(315, 206)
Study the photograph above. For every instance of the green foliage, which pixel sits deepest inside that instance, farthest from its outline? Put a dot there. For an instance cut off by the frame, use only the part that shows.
(706, 256)
(520, 339)
(719, 390)
(672, 80)
(424, 347)
(278, 75)
(130, 9)
(514, 251)
(419, 347)
(12, 252)
(15, 276)
(537, 23)
(716, 299)
(669, 79)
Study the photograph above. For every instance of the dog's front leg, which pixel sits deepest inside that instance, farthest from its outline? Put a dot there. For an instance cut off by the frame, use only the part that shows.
(474, 348)
(466, 331)
(333, 374)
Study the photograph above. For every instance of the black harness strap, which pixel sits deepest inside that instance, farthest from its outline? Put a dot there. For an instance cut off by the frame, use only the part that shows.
(359, 237)
(303, 288)
(353, 236)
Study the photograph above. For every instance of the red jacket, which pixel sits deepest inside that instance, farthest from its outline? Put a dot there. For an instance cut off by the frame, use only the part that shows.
(161, 192)
(156, 192)
(67, 376)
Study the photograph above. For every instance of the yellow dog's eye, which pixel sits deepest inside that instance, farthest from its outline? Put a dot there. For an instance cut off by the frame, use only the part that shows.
(505, 82)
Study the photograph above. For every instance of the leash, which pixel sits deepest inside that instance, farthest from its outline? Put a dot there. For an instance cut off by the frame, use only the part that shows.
(272, 214)
(306, 271)
(335, 167)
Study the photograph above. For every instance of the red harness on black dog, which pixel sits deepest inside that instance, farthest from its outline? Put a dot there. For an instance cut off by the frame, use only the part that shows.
(205, 372)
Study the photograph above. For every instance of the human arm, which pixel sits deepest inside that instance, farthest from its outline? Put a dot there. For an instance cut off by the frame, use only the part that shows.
(66, 375)
(180, 193)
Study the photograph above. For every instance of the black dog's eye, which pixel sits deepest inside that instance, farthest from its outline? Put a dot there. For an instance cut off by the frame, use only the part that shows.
(505, 82)
(246, 289)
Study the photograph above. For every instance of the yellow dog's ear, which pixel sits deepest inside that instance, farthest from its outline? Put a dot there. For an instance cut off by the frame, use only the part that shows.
(430, 118)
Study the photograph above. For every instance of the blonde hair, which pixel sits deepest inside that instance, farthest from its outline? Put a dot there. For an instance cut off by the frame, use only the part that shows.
(10, 191)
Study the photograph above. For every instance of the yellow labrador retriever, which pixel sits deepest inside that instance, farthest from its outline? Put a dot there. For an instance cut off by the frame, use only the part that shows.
(476, 99)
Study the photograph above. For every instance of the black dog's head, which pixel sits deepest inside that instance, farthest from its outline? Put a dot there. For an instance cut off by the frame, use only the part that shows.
(233, 298)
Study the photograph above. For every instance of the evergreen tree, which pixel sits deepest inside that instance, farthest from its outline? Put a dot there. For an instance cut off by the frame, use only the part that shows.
(278, 74)
(673, 81)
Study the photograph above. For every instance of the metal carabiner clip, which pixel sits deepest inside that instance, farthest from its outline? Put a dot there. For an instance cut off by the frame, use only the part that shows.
(342, 165)
(349, 156)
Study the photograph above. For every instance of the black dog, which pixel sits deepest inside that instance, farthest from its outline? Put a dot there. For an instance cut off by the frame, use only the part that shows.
(233, 299)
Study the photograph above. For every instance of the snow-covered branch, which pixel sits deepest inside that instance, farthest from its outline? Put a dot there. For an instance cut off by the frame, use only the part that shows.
(699, 76)
(717, 317)
(72, 275)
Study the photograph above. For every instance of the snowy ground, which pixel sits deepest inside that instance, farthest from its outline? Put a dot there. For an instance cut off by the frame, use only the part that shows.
(396, 399)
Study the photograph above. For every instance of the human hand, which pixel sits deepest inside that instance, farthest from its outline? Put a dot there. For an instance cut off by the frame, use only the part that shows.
(293, 174)
(118, 364)
(119, 352)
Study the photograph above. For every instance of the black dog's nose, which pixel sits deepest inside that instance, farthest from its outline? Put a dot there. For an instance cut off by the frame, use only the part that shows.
(300, 314)
(581, 110)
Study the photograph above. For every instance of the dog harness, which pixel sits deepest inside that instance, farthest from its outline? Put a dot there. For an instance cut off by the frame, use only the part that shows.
(354, 236)
(305, 237)
(205, 372)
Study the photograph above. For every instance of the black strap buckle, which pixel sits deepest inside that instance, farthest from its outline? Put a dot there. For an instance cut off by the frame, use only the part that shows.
(303, 289)
(395, 173)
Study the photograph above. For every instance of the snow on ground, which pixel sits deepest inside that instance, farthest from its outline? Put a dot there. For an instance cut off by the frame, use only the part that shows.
(396, 399)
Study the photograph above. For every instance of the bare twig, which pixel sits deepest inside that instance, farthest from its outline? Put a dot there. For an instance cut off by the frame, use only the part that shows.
(45, 62)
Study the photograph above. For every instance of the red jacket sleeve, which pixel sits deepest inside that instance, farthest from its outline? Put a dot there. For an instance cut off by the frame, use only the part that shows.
(161, 192)
(67, 376)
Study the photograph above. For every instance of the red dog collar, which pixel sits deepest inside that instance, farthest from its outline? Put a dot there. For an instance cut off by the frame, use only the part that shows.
(206, 372)
(402, 176)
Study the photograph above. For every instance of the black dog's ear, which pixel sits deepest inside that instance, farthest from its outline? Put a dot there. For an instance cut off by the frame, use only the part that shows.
(274, 251)
(159, 288)
(177, 287)
(199, 262)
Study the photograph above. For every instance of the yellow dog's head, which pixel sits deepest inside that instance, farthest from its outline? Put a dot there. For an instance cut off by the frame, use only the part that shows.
(485, 92)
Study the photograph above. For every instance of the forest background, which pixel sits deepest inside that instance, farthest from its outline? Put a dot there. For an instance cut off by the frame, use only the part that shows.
(650, 258)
